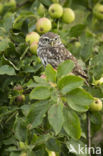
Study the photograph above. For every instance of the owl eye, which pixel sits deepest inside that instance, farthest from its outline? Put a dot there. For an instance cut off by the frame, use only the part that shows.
(56, 39)
(46, 39)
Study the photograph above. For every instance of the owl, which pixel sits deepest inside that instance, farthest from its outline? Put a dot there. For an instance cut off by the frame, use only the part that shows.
(52, 51)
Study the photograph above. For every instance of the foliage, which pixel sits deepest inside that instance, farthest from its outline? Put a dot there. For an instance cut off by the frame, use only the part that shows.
(53, 114)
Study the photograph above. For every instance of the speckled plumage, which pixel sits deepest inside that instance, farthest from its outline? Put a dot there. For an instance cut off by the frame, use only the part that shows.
(52, 51)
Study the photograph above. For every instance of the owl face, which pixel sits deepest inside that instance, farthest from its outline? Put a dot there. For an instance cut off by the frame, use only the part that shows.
(50, 40)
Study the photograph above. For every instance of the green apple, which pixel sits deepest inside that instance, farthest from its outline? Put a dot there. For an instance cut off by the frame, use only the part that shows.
(43, 25)
(52, 153)
(96, 105)
(68, 15)
(41, 10)
(77, 44)
(56, 10)
(12, 3)
(33, 47)
(32, 37)
(23, 154)
(20, 99)
(98, 82)
(22, 145)
(98, 11)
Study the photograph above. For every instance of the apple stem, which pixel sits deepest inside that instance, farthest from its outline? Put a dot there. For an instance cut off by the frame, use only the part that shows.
(88, 132)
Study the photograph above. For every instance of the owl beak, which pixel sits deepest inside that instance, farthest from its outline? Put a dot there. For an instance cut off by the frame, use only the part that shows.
(52, 43)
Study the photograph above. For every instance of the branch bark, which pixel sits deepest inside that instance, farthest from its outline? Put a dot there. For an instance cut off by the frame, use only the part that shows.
(88, 132)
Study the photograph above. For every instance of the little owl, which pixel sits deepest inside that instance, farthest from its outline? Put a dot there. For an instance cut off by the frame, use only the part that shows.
(52, 51)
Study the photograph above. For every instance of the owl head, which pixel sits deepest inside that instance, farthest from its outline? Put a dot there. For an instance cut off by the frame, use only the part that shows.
(50, 40)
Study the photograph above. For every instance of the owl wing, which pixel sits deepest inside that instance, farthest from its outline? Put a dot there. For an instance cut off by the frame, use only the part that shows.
(77, 69)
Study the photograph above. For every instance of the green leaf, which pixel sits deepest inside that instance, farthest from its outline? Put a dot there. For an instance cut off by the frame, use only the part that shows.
(21, 18)
(74, 144)
(46, 2)
(96, 65)
(72, 124)
(53, 144)
(18, 38)
(86, 49)
(4, 44)
(14, 153)
(50, 73)
(79, 100)
(37, 112)
(6, 69)
(39, 80)
(20, 129)
(40, 93)
(31, 84)
(11, 148)
(25, 109)
(40, 151)
(80, 15)
(9, 141)
(96, 118)
(77, 30)
(8, 21)
(64, 68)
(42, 139)
(30, 69)
(70, 82)
(55, 117)
(54, 95)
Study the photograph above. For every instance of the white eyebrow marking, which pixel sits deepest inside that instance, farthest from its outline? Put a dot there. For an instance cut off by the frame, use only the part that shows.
(45, 37)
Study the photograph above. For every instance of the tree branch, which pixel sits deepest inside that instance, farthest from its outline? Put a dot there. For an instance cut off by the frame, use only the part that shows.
(88, 132)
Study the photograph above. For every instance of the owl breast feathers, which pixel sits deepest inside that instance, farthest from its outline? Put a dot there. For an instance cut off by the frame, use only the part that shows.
(52, 51)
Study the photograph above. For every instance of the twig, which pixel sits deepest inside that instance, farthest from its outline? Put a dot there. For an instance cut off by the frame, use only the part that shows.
(88, 133)
(58, 25)
(10, 117)
(23, 55)
(11, 63)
